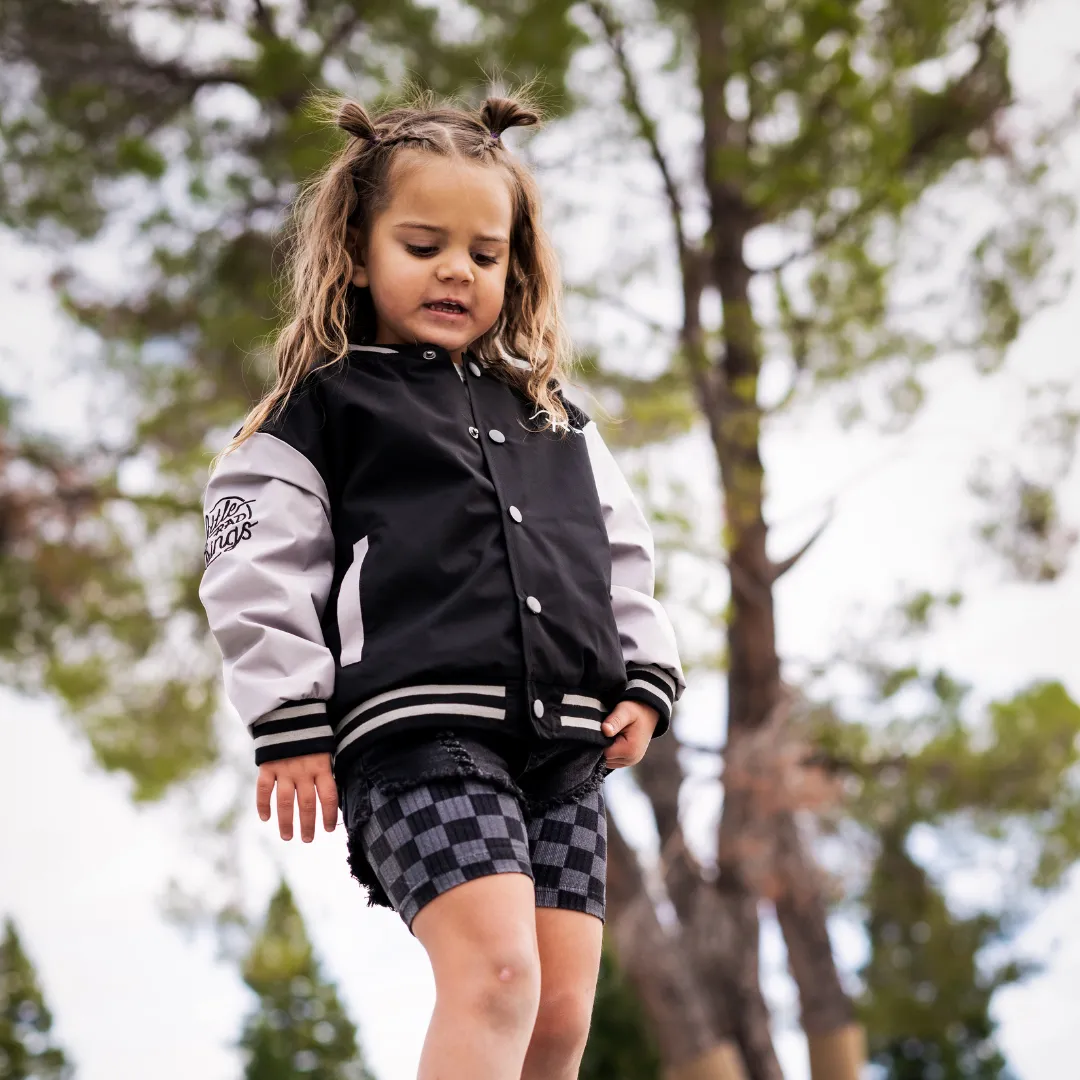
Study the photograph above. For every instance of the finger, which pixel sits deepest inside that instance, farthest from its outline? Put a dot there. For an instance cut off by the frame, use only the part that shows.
(264, 788)
(615, 754)
(324, 784)
(622, 752)
(285, 790)
(305, 796)
(618, 720)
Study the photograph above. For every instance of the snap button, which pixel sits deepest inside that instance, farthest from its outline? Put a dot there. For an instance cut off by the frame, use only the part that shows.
(496, 436)
(538, 708)
(429, 354)
(533, 604)
(474, 432)
(515, 513)
(474, 369)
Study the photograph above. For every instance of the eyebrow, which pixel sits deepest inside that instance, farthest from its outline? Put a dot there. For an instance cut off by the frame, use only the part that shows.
(442, 232)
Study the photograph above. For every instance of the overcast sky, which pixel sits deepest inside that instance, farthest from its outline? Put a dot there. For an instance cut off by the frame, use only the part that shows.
(84, 873)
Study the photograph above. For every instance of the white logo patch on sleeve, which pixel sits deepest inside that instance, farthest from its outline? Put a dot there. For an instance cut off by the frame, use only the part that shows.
(228, 522)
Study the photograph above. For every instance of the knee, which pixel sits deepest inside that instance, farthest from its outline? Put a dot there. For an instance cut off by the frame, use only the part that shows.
(500, 989)
(562, 1026)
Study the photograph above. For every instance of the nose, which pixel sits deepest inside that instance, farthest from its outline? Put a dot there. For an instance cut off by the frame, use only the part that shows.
(455, 266)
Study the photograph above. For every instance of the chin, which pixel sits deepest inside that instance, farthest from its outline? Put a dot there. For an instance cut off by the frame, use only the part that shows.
(451, 340)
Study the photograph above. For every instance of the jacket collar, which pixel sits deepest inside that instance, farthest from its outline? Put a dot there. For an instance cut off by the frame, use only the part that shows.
(422, 350)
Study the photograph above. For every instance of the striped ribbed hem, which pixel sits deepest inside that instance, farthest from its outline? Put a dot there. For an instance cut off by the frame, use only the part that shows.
(292, 729)
(651, 686)
(579, 711)
(411, 702)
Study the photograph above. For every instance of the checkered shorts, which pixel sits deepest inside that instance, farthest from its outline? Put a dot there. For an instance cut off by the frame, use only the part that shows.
(426, 840)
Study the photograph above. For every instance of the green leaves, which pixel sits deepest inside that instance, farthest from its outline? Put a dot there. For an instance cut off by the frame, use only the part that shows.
(1010, 771)
(27, 1048)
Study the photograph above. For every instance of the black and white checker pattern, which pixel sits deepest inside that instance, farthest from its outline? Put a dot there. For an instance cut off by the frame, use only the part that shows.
(433, 837)
(569, 855)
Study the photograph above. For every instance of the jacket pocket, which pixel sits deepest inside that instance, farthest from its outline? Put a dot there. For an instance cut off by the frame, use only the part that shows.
(349, 613)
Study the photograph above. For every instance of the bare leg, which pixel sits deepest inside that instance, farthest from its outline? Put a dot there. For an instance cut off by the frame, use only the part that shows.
(569, 944)
(481, 940)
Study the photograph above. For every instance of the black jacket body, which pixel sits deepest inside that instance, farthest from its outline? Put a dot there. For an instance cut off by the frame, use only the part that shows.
(405, 547)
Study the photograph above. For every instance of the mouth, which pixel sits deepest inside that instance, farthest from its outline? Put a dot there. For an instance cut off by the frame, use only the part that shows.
(447, 307)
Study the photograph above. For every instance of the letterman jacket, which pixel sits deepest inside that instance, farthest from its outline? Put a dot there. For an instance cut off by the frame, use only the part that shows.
(401, 548)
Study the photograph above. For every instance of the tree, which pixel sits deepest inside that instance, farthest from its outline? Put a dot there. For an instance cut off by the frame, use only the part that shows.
(27, 1048)
(927, 1005)
(811, 122)
(619, 1044)
(299, 1026)
(819, 138)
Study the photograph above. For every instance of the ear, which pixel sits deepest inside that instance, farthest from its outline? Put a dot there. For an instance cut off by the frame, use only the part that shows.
(356, 247)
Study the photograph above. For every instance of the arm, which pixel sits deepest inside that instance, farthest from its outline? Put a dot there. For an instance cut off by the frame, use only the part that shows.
(269, 564)
(653, 673)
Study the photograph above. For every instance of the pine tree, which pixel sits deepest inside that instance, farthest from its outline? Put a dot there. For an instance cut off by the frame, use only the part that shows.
(299, 1027)
(927, 1005)
(27, 1050)
(620, 1046)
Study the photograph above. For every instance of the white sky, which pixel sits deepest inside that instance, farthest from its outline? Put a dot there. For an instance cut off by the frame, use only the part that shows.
(83, 872)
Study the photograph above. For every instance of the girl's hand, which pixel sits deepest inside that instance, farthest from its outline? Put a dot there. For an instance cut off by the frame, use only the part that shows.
(301, 777)
(633, 725)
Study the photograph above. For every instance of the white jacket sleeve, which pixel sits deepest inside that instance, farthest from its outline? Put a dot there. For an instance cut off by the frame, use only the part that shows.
(269, 563)
(653, 672)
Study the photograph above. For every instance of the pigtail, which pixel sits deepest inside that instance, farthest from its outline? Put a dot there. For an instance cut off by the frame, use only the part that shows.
(352, 118)
(499, 114)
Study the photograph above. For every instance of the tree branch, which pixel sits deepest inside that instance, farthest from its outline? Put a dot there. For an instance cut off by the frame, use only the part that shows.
(346, 24)
(646, 125)
(591, 292)
(194, 80)
(264, 18)
(781, 568)
(822, 238)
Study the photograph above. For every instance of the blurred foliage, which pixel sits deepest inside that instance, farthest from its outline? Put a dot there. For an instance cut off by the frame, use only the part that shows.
(843, 123)
(1008, 773)
(926, 1004)
(997, 784)
(77, 615)
(620, 1046)
(299, 1027)
(27, 1048)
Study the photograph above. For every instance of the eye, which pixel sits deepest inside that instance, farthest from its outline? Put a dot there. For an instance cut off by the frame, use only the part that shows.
(486, 260)
(420, 252)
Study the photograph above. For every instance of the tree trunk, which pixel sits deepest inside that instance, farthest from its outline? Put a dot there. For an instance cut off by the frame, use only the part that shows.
(656, 964)
(801, 912)
(722, 920)
(719, 919)
(754, 686)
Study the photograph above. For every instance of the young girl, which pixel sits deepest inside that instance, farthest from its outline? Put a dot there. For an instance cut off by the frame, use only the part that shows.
(432, 588)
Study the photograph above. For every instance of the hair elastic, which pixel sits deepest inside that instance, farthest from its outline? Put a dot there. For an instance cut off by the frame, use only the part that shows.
(495, 135)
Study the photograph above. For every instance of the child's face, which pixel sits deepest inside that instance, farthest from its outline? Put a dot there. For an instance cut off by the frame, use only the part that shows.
(444, 237)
